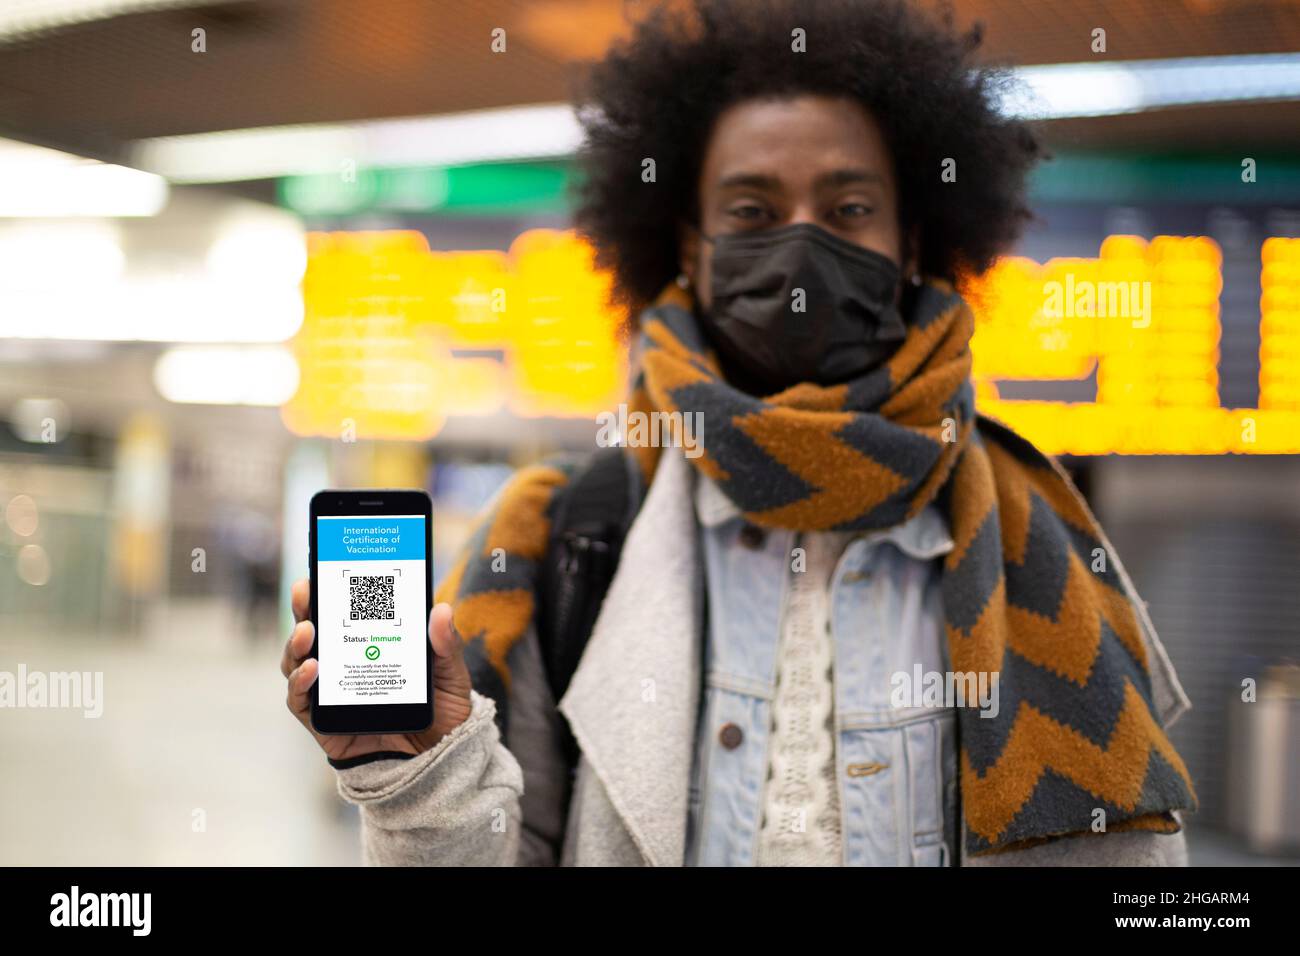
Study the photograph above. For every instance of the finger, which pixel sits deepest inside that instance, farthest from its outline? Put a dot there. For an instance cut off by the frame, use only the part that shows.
(300, 599)
(297, 647)
(299, 696)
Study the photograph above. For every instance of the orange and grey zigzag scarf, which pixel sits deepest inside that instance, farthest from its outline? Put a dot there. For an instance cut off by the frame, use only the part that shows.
(1024, 593)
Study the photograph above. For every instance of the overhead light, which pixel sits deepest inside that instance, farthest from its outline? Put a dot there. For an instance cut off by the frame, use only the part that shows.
(256, 248)
(226, 375)
(1050, 91)
(22, 515)
(43, 255)
(185, 309)
(28, 17)
(518, 132)
(1108, 88)
(36, 182)
(43, 420)
(33, 565)
(71, 280)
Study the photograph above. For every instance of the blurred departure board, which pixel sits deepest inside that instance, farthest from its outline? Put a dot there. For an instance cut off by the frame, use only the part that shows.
(1114, 352)
(1138, 327)
(396, 337)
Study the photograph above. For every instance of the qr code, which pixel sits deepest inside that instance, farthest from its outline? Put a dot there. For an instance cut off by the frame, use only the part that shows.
(371, 597)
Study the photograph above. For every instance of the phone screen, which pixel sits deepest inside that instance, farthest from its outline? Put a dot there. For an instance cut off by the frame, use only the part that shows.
(371, 607)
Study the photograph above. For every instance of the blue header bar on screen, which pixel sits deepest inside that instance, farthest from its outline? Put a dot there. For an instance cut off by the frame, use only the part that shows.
(369, 538)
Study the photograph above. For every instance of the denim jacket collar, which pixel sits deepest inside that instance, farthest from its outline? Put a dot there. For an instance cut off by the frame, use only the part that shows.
(924, 536)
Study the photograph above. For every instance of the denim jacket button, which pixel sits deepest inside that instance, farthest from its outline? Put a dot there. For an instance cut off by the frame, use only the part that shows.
(752, 536)
(730, 736)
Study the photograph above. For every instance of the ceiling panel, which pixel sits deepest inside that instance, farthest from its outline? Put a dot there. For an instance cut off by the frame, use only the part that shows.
(95, 86)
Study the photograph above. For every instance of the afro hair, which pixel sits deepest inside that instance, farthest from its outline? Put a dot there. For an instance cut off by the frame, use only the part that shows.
(658, 94)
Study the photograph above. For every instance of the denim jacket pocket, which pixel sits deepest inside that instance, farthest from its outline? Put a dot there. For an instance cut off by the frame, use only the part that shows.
(873, 796)
(895, 771)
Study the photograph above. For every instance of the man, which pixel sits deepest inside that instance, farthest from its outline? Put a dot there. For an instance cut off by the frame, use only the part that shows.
(864, 626)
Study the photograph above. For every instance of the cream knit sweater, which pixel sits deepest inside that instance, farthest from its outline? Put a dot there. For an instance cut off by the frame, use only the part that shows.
(801, 806)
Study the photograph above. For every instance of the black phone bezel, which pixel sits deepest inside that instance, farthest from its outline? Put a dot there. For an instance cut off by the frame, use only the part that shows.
(348, 719)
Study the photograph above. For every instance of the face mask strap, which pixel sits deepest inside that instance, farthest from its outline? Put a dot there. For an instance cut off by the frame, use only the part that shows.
(683, 280)
(701, 233)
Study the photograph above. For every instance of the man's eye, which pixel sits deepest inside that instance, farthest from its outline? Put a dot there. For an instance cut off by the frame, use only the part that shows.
(748, 213)
(852, 210)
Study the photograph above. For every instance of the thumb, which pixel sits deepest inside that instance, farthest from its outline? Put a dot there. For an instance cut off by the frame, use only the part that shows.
(450, 674)
(451, 682)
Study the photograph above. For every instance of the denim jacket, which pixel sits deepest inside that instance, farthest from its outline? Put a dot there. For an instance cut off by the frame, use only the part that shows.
(896, 766)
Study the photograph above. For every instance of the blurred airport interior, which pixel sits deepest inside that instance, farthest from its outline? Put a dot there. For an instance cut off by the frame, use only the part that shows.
(252, 249)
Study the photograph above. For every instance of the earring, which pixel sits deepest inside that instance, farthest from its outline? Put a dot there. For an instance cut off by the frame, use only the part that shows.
(683, 281)
(916, 278)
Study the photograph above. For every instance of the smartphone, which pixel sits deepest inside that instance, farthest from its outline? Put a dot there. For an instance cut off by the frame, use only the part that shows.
(371, 594)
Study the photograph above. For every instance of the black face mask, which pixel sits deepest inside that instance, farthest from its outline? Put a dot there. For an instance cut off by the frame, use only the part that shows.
(761, 281)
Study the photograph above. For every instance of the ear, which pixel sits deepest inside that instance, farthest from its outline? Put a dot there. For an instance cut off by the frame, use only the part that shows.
(912, 252)
(688, 251)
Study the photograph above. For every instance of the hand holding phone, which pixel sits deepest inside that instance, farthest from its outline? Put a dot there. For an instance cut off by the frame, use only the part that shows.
(451, 685)
(363, 655)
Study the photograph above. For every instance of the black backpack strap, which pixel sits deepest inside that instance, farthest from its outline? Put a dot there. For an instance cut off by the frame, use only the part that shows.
(590, 519)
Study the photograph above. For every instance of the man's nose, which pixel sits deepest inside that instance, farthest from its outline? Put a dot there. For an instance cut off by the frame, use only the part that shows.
(802, 214)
